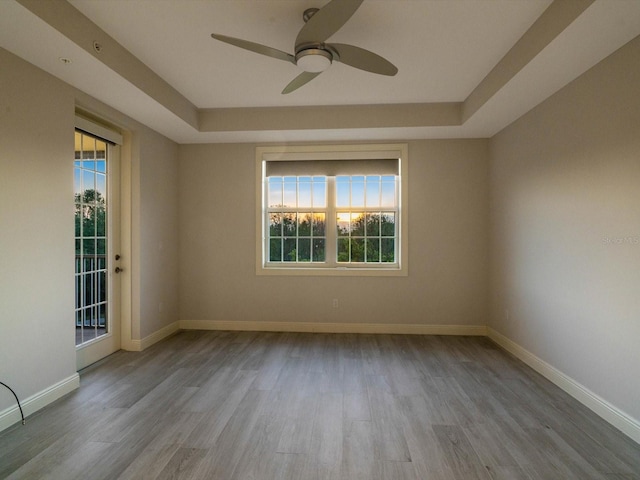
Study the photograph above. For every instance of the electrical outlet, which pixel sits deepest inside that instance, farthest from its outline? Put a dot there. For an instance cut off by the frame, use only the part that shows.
(335, 303)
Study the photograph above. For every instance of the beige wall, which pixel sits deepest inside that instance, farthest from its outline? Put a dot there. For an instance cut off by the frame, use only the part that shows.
(158, 225)
(36, 230)
(447, 246)
(565, 230)
(37, 347)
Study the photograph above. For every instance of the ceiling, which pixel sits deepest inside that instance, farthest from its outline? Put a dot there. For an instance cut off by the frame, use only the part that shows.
(467, 68)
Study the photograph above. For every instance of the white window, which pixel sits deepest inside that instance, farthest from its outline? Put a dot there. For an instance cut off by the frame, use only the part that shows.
(332, 210)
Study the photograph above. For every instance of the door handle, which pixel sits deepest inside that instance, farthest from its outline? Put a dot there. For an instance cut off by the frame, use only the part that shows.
(118, 270)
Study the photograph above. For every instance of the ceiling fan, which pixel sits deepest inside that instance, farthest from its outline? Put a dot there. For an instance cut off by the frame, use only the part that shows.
(312, 54)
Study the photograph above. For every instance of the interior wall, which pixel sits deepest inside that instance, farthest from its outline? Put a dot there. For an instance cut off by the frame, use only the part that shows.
(37, 118)
(448, 236)
(158, 220)
(37, 336)
(565, 230)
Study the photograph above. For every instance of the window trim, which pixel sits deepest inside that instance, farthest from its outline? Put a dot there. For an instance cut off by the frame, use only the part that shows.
(333, 152)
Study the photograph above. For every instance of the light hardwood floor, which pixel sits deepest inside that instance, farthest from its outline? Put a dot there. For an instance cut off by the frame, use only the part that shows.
(240, 405)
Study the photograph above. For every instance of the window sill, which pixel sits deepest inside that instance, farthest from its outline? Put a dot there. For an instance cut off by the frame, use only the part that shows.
(332, 272)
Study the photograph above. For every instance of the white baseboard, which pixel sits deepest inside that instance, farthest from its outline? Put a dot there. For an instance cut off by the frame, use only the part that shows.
(155, 337)
(623, 422)
(39, 400)
(304, 327)
(161, 334)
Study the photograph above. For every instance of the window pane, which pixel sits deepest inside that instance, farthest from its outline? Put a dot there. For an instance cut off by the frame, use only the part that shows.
(388, 192)
(275, 250)
(320, 192)
(87, 280)
(88, 181)
(89, 247)
(88, 222)
(304, 250)
(388, 250)
(289, 187)
(357, 250)
(373, 224)
(388, 224)
(343, 222)
(101, 187)
(89, 321)
(289, 250)
(86, 322)
(101, 222)
(318, 250)
(342, 192)
(78, 223)
(304, 192)
(357, 191)
(289, 224)
(343, 250)
(102, 312)
(304, 225)
(102, 247)
(77, 187)
(373, 249)
(357, 224)
(89, 164)
(101, 291)
(275, 225)
(318, 224)
(87, 265)
(373, 191)
(275, 191)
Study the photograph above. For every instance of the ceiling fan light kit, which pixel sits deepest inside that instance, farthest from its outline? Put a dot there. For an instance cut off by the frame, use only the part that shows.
(312, 55)
(313, 60)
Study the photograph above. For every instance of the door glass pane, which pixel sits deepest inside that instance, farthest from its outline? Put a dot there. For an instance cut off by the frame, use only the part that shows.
(90, 186)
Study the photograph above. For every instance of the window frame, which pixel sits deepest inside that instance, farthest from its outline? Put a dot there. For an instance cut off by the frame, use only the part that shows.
(332, 152)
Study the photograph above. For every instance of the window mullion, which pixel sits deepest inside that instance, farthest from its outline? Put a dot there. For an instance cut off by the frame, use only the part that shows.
(266, 217)
(331, 225)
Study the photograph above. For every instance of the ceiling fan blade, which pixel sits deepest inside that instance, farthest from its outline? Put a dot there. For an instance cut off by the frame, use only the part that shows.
(363, 59)
(300, 80)
(256, 47)
(327, 21)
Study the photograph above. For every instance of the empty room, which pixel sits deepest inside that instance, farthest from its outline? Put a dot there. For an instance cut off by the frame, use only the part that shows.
(320, 239)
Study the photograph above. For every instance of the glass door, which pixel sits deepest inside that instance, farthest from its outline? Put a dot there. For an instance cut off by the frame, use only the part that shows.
(96, 249)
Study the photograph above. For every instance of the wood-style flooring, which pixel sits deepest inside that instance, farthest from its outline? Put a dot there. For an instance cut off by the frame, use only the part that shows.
(245, 406)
